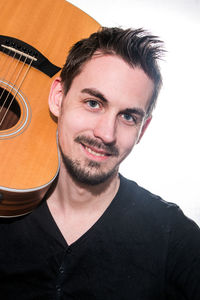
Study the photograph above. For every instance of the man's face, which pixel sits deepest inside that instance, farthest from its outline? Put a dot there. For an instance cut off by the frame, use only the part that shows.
(102, 117)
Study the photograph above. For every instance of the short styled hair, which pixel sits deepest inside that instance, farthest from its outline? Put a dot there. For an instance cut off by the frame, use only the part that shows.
(136, 47)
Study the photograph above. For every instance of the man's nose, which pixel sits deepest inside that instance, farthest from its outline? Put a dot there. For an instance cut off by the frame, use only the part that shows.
(105, 129)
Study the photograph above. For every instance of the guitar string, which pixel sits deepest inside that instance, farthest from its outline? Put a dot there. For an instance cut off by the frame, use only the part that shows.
(16, 92)
(22, 80)
(7, 70)
(9, 79)
(3, 51)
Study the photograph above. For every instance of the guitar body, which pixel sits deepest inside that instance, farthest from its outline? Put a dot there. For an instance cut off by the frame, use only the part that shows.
(28, 145)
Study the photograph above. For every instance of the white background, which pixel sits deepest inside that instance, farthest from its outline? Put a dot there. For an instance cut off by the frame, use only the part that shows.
(166, 161)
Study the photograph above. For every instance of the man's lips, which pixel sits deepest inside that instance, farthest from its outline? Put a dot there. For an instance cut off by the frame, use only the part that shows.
(97, 148)
(96, 152)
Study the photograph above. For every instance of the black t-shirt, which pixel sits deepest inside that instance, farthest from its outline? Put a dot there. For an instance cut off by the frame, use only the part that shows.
(141, 248)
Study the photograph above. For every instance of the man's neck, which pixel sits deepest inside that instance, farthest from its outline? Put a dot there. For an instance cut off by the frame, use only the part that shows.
(70, 192)
(79, 206)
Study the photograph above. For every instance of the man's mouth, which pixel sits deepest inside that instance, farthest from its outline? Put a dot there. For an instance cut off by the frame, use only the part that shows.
(96, 148)
(94, 152)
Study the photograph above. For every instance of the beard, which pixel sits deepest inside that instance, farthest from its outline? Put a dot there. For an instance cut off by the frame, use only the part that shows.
(91, 173)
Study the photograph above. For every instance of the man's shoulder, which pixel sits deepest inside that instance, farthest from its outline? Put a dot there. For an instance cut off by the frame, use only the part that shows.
(143, 197)
(151, 207)
(17, 223)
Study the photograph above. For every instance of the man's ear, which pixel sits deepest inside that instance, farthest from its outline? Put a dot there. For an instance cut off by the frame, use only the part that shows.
(55, 97)
(144, 127)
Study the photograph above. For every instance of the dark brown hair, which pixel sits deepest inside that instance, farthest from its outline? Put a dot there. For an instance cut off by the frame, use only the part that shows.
(136, 47)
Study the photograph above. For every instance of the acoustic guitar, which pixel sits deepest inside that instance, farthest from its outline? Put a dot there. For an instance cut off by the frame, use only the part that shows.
(35, 37)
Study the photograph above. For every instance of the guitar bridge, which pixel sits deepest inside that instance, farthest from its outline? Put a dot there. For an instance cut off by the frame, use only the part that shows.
(28, 54)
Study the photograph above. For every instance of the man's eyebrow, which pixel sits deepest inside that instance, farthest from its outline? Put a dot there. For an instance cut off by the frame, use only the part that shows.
(136, 111)
(95, 93)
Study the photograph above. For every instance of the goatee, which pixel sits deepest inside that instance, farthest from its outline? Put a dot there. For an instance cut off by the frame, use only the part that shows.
(91, 174)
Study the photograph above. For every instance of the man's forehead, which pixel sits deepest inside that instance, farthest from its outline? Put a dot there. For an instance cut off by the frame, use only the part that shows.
(116, 80)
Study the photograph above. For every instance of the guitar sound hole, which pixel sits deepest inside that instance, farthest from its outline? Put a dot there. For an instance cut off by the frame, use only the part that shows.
(9, 110)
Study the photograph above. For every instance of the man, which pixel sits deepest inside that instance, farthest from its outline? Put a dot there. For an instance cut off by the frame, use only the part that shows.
(97, 235)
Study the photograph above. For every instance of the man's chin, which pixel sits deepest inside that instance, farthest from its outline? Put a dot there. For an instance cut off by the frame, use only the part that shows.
(89, 177)
(93, 180)
(91, 174)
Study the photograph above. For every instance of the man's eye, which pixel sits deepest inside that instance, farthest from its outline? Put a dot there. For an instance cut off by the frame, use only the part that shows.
(93, 104)
(128, 118)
